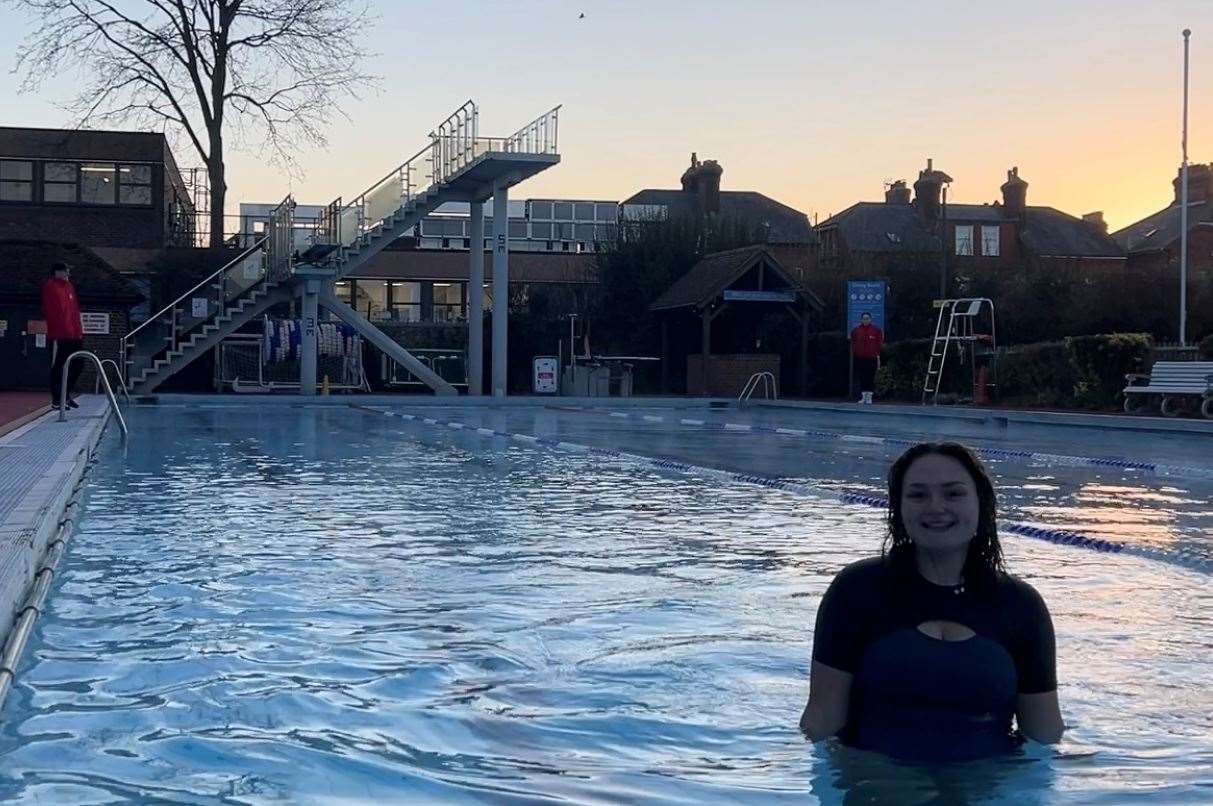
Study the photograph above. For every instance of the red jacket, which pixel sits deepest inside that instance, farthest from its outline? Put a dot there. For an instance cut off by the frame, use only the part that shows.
(61, 310)
(866, 341)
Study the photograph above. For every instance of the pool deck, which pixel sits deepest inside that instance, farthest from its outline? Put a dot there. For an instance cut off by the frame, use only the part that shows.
(18, 408)
(41, 461)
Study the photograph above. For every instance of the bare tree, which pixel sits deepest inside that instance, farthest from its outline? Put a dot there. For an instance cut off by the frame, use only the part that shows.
(269, 72)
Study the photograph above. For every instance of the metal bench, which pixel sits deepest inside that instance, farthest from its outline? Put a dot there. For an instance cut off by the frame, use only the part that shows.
(1171, 381)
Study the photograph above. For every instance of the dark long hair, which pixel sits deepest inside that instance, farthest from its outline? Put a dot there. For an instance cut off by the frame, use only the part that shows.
(983, 564)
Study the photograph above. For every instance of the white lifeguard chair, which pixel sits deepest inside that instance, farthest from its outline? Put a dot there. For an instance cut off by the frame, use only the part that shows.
(962, 322)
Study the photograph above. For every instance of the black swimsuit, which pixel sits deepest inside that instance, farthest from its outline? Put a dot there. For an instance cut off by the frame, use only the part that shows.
(922, 698)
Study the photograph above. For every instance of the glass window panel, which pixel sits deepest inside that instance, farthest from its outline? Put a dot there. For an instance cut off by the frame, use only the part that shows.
(16, 191)
(566, 232)
(607, 212)
(431, 228)
(541, 209)
(98, 183)
(134, 194)
(135, 174)
(448, 293)
(517, 228)
(541, 229)
(584, 211)
(563, 210)
(488, 228)
(452, 228)
(989, 241)
(59, 192)
(16, 169)
(60, 172)
(604, 232)
(372, 299)
(406, 293)
(583, 232)
(964, 240)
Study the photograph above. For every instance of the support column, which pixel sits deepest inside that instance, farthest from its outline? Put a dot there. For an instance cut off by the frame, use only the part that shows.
(501, 287)
(705, 351)
(307, 343)
(476, 303)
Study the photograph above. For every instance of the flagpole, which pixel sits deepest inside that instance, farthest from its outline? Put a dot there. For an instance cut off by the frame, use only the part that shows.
(1183, 211)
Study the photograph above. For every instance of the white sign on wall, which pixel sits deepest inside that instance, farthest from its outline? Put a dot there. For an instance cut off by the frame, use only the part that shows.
(198, 307)
(95, 323)
(545, 375)
(39, 339)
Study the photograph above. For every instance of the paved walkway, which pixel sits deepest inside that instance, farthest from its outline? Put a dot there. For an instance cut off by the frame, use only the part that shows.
(40, 463)
(18, 408)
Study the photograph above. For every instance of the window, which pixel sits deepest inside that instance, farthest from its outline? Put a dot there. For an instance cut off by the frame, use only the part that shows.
(16, 180)
(564, 232)
(517, 228)
(98, 183)
(989, 241)
(964, 240)
(59, 182)
(584, 211)
(405, 302)
(541, 209)
(134, 184)
(607, 212)
(563, 210)
(541, 231)
(583, 232)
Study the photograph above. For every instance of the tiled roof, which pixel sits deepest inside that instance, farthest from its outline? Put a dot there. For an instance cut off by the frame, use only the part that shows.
(1161, 229)
(717, 271)
(27, 264)
(787, 225)
(879, 227)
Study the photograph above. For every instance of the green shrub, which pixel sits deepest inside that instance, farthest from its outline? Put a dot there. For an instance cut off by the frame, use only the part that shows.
(1205, 346)
(1035, 375)
(1101, 363)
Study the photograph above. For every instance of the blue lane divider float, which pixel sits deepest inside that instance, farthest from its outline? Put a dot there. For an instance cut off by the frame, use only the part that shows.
(1151, 468)
(1177, 556)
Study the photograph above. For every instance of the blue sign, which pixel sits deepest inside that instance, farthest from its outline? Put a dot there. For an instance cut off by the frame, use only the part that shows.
(866, 296)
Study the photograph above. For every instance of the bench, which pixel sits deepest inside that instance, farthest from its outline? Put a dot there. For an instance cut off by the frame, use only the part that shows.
(1171, 381)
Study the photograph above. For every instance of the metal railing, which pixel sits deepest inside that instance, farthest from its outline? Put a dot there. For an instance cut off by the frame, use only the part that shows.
(453, 142)
(766, 380)
(206, 299)
(280, 240)
(117, 373)
(537, 137)
(109, 390)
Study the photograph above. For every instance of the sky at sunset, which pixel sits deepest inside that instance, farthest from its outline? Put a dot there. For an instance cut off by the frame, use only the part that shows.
(814, 104)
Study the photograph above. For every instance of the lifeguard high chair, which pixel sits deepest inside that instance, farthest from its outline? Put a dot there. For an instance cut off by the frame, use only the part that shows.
(963, 323)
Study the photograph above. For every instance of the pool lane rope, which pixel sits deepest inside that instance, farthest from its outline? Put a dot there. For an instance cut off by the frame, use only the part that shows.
(1149, 468)
(1185, 558)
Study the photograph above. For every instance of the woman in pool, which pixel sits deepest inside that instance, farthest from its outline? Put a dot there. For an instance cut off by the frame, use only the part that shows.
(927, 652)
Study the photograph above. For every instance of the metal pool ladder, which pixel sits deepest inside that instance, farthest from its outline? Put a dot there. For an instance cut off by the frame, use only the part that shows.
(109, 390)
(770, 390)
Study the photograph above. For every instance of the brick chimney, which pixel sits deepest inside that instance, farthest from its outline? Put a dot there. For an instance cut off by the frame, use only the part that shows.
(1096, 220)
(1014, 194)
(926, 192)
(703, 180)
(1200, 183)
(897, 193)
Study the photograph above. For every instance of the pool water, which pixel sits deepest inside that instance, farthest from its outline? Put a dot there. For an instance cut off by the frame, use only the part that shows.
(324, 604)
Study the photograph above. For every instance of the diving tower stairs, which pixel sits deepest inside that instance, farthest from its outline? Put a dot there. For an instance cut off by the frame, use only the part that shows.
(457, 165)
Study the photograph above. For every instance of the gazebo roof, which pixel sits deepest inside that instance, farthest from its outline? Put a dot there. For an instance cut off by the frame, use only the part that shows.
(712, 276)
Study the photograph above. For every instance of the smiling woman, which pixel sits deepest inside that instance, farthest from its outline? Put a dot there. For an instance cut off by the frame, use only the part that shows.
(928, 652)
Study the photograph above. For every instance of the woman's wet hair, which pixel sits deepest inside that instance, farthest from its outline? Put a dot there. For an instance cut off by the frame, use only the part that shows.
(984, 564)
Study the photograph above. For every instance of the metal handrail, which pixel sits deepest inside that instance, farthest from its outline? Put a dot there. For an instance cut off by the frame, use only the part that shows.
(118, 372)
(109, 391)
(770, 389)
(174, 303)
(536, 133)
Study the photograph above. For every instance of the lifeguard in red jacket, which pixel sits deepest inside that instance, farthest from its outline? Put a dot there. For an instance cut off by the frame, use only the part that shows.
(866, 341)
(61, 311)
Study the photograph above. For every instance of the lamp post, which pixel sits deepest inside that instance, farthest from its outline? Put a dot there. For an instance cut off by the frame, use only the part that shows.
(1183, 210)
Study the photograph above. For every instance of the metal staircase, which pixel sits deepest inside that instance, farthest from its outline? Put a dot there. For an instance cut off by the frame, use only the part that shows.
(456, 165)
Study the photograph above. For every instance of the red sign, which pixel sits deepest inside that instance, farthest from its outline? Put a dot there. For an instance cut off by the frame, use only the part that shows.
(35, 327)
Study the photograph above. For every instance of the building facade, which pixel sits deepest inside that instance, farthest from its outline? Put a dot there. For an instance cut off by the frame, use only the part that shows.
(95, 188)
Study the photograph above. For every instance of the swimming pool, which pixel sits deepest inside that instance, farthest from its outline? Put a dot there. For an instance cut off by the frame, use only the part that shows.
(324, 603)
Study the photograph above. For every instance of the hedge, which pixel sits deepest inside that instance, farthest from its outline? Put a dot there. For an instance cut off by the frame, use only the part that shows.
(1078, 372)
